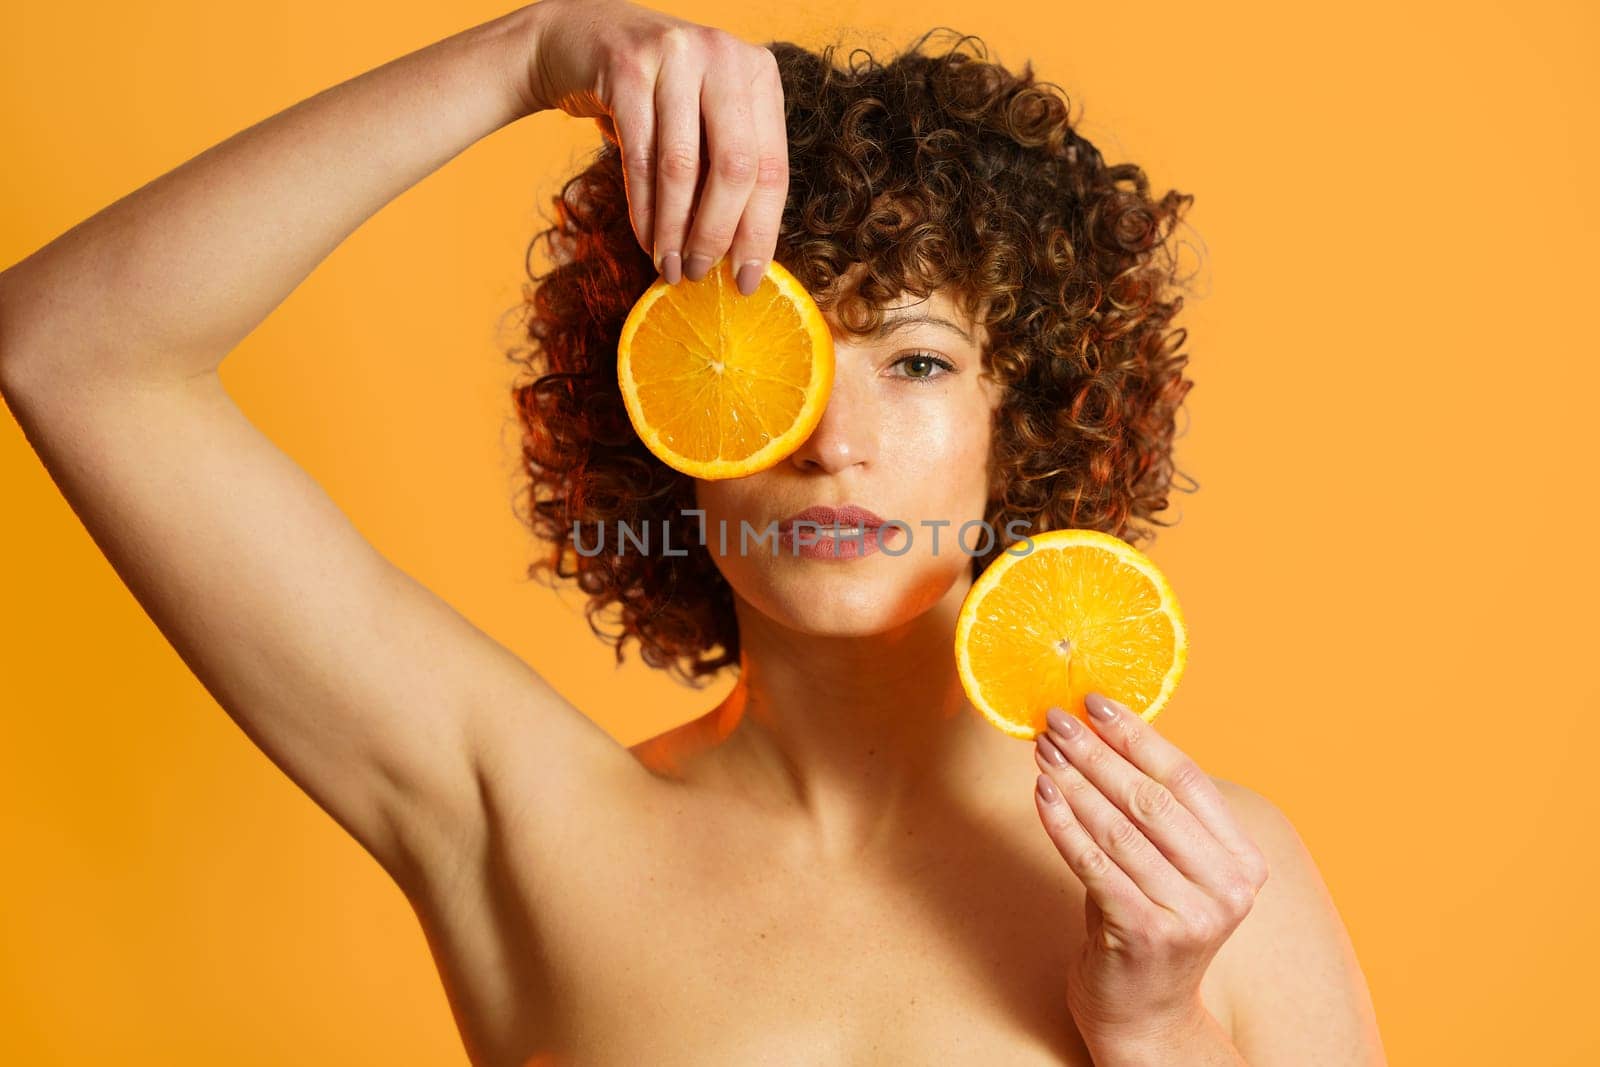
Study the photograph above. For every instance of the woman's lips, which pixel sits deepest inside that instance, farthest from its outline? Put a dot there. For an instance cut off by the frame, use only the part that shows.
(825, 515)
(821, 544)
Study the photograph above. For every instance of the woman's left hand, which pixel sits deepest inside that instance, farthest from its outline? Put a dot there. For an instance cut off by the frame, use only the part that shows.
(1168, 871)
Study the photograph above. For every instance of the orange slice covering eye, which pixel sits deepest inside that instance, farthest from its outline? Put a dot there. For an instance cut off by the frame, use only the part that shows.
(721, 385)
(1081, 611)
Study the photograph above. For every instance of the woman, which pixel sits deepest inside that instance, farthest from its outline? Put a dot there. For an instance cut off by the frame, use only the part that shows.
(837, 864)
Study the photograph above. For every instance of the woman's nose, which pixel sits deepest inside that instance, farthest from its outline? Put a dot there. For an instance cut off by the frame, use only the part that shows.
(848, 431)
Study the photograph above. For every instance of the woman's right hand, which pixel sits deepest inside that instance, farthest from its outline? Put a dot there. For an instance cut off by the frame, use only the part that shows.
(645, 77)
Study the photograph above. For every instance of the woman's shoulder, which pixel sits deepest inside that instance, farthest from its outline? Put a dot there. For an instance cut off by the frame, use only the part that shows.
(1290, 970)
(1253, 809)
(1274, 833)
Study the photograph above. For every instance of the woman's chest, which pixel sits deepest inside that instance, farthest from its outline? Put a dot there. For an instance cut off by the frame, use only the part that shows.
(710, 952)
(684, 938)
(785, 990)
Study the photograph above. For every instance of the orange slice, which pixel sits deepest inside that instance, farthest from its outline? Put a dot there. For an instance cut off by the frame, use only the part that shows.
(721, 385)
(1081, 611)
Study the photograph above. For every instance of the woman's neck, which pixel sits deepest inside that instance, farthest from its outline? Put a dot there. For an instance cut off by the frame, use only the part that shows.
(860, 736)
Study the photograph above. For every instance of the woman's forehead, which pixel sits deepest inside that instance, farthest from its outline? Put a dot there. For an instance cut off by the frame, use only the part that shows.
(940, 312)
(941, 303)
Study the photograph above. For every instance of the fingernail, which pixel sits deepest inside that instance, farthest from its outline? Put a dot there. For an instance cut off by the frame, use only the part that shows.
(696, 266)
(1101, 707)
(672, 268)
(1047, 789)
(1061, 722)
(750, 276)
(1050, 751)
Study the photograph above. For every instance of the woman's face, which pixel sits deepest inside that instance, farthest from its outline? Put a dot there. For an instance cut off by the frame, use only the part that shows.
(905, 435)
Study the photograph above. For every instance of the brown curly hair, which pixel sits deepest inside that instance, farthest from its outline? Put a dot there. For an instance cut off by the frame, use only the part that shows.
(928, 171)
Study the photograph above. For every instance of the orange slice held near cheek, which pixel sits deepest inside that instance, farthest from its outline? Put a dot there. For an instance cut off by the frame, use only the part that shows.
(722, 385)
(1080, 612)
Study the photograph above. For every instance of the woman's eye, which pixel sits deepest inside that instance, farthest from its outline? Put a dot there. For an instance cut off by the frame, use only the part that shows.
(920, 366)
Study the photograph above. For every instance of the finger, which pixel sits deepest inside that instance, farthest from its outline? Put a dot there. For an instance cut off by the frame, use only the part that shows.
(757, 236)
(1113, 831)
(633, 122)
(677, 160)
(1146, 802)
(1106, 883)
(1138, 741)
(730, 171)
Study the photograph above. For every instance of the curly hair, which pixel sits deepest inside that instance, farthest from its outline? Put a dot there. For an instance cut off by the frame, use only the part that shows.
(926, 172)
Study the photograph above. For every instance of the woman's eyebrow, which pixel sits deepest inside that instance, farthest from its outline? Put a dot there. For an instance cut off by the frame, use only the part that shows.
(890, 325)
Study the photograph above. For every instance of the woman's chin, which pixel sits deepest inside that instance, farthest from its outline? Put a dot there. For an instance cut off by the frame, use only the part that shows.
(850, 605)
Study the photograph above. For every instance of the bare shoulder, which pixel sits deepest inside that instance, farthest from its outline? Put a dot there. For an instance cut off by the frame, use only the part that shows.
(1294, 984)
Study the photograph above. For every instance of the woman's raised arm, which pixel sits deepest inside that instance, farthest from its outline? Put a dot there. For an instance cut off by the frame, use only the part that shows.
(370, 692)
(393, 712)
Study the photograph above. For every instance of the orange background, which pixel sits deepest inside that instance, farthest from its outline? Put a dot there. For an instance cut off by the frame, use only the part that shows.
(1388, 568)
